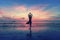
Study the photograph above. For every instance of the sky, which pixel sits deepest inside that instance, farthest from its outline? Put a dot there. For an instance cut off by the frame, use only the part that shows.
(44, 9)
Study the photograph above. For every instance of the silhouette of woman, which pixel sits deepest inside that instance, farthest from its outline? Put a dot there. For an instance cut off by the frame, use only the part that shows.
(30, 18)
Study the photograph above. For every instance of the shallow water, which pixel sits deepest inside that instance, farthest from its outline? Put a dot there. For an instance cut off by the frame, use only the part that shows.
(40, 31)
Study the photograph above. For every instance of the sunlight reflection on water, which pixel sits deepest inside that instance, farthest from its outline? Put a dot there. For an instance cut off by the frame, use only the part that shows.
(39, 31)
(34, 29)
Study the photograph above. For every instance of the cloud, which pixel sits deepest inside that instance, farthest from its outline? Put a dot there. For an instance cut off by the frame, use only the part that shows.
(1, 11)
(38, 11)
(21, 11)
(14, 11)
(20, 8)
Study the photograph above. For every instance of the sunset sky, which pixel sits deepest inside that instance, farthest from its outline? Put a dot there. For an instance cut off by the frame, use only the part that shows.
(41, 9)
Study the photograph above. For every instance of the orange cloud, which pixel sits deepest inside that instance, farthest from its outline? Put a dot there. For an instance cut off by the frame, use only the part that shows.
(21, 12)
(1, 11)
(37, 11)
(20, 8)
